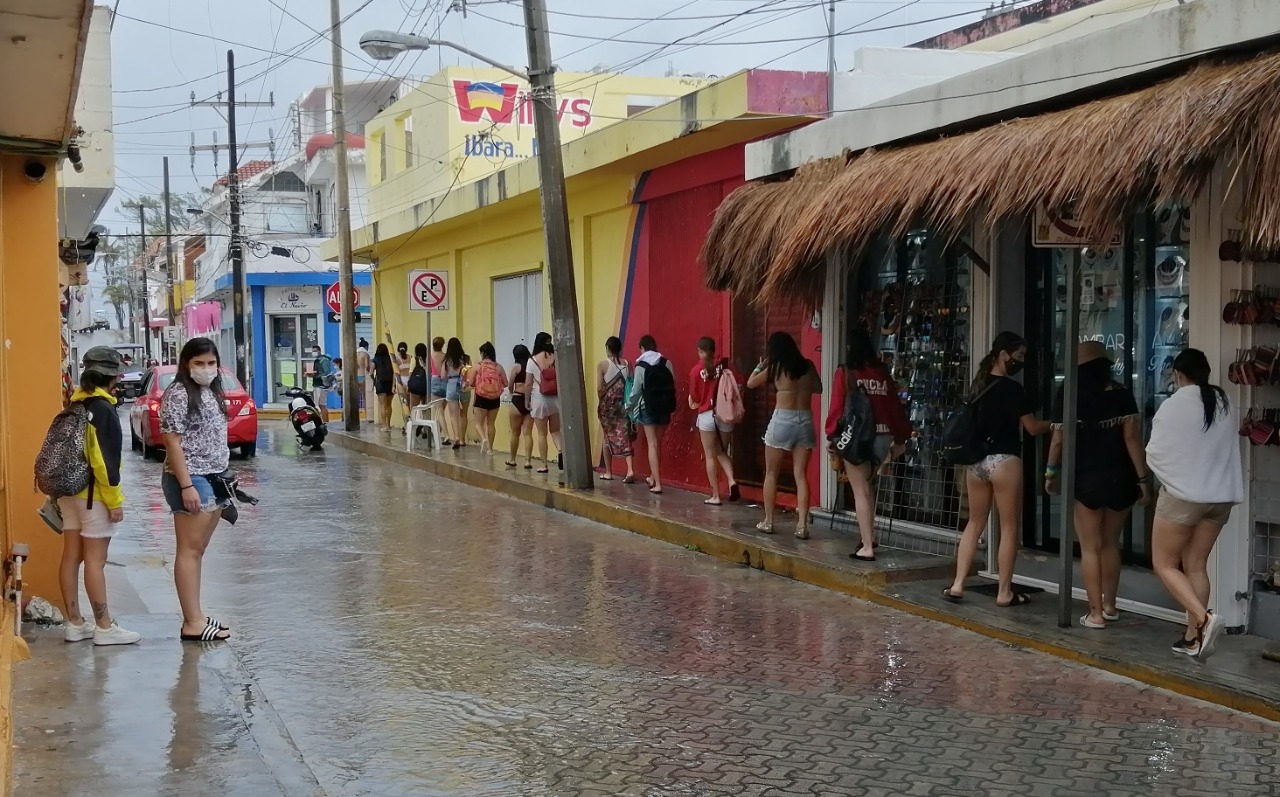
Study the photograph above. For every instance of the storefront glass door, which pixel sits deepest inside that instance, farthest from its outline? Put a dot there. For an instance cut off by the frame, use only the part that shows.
(1135, 300)
(292, 337)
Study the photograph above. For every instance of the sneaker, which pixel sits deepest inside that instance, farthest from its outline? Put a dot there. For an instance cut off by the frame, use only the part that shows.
(77, 633)
(115, 635)
(1213, 628)
(51, 515)
(1189, 647)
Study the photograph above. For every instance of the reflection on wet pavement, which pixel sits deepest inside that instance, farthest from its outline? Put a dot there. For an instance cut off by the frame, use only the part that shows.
(410, 636)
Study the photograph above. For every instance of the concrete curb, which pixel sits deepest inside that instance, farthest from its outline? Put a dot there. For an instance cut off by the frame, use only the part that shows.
(874, 586)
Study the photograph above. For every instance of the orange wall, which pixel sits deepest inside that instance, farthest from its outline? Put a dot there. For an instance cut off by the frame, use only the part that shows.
(30, 371)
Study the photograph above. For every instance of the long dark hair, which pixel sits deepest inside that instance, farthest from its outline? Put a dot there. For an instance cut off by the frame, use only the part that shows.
(542, 343)
(521, 355)
(785, 357)
(454, 356)
(382, 361)
(1192, 364)
(862, 354)
(707, 346)
(92, 380)
(192, 349)
(487, 352)
(1005, 342)
(420, 355)
(613, 347)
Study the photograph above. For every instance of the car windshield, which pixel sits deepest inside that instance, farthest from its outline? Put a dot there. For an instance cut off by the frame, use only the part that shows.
(229, 381)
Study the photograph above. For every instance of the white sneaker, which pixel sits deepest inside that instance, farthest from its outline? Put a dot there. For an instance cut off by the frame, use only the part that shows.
(115, 635)
(1213, 628)
(76, 633)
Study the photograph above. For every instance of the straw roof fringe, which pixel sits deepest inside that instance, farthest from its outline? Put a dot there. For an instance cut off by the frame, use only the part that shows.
(1102, 159)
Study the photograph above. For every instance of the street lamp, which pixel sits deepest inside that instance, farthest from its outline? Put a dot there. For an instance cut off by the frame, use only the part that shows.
(566, 329)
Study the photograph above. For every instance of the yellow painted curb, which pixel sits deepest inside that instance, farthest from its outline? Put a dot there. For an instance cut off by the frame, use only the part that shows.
(869, 585)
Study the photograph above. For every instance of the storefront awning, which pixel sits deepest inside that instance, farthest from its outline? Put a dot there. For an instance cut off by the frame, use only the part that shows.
(1103, 160)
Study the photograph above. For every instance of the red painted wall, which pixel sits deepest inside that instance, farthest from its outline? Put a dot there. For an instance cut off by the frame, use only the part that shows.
(666, 297)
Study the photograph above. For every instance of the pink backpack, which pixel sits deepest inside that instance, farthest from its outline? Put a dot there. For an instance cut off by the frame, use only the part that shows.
(729, 407)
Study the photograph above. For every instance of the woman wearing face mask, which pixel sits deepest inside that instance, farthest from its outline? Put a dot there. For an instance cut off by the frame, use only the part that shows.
(193, 421)
(1004, 413)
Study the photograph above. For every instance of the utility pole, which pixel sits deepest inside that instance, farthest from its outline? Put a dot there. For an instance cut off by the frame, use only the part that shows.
(565, 326)
(831, 57)
(236, 247)
(146, 291)
(168, 248)
(346, 289)
(236, 241)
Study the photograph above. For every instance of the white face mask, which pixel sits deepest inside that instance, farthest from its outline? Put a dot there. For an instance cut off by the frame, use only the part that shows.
(204, 376)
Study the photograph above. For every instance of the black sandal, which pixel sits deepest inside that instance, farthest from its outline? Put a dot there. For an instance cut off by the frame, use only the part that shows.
(1019, 599)
(218, 623)
(947, 594)
(210, 633)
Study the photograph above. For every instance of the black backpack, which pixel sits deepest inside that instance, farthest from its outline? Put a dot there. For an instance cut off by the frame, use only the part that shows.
(857, 427)
(963, 440)
(659, 389)
(418, 383)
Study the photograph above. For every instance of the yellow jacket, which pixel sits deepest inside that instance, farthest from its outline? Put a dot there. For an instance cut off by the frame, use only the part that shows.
(103, 447)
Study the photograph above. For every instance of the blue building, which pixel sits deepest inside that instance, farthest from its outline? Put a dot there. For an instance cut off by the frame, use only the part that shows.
(289, 314)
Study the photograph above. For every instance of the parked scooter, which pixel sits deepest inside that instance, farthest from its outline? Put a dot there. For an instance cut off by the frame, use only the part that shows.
(307, 422)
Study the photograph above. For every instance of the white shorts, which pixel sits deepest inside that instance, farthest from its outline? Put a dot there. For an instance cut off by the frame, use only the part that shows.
(708, 422)
(92, 522)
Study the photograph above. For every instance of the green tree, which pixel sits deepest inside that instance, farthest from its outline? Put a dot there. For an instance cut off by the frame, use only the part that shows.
(153, 210)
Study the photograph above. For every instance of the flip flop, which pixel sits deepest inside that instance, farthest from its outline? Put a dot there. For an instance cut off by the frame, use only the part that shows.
(542, 470)
(629, 479)
(713, 502)
(210, 633)
(510, 464)
(1019, 599)
(860, 558)
(734, 493)
(655, 491)
(947, 594)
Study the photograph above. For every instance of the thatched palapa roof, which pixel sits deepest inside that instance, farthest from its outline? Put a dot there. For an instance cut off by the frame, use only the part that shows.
(1102, 158)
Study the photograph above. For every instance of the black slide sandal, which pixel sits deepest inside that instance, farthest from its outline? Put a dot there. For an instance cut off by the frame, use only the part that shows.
(949, 595)
(1019, 599)
(210, 633)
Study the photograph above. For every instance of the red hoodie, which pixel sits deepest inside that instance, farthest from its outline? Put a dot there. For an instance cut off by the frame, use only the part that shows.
(890, 417)
(703, 386)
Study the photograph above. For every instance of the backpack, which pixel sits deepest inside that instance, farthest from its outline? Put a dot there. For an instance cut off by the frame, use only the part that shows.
(417, 384)
(547, 381)
(728, 403)
(488, 380)
(963, 442)
(62, 469)
(659, 389)
(324, 371)
(856, 430)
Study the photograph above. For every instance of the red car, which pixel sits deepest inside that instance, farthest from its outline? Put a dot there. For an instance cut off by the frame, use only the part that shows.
(144, 415)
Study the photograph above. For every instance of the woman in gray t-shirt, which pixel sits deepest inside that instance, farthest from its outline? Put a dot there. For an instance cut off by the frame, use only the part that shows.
(193, 421)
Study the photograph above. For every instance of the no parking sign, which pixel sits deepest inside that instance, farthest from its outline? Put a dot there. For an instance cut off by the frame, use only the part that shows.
(428, 290)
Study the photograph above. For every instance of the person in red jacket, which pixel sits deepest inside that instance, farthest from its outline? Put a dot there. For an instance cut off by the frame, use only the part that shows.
(864, 368)
(716, 433)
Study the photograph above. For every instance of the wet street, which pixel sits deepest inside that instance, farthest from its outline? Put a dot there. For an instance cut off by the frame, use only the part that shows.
(398, 634)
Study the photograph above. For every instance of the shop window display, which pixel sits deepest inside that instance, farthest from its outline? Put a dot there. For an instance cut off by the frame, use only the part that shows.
(912, 295)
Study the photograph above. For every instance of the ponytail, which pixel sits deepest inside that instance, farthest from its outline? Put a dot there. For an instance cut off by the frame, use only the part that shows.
(1005, 342)
(984, 374)
(1194, 365)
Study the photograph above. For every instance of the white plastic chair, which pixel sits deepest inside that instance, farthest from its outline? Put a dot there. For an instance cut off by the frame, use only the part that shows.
(423, 416)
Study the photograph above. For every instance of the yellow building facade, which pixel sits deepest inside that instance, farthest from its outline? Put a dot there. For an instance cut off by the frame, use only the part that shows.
(486, 237)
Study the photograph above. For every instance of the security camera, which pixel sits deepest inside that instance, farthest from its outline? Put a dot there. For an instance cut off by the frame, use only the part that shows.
(35, 170)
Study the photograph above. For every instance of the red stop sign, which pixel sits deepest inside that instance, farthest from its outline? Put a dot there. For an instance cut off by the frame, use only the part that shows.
(333, 297)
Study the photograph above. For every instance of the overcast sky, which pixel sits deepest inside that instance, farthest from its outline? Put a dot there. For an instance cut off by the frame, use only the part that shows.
(162, 50)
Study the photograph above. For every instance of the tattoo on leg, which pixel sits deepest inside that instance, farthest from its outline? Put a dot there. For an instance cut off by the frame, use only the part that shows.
(99, 610)
(73, 610)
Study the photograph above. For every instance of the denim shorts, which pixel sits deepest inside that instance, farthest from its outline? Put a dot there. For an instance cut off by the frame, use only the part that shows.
(437, 386)
(173, 493)
(790, 429)
(453, 389)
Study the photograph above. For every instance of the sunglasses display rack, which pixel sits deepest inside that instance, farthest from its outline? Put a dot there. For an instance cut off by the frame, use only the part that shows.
(1257, 371)
(917, 310)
